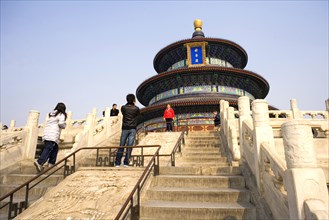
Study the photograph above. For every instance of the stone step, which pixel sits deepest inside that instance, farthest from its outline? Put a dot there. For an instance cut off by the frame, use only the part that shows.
(204, 134)
(203, 138)
(199, 181)
(203, 148)
(180, 162)
(204, 158)
(22, 178)
(36, 191)
(201, 170)
(198, 142)
(202, 151)
(27, 169)
(198, 194)
(202, 145)
(4, 210)
(155, 209)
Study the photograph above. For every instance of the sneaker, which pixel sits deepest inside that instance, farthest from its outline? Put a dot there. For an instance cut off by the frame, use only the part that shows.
(38, 166)
(117, 165)
(125, 166)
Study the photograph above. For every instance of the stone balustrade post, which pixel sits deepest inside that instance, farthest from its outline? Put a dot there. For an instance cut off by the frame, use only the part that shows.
(46, 119)
(120, 116)
(262, 133)
(223, 115)
(12, 125)
(327, 105)
(107, 121)
(94, 114)
(233, 138)
(304, 181)
(30, 143)
(66, 134)
(107, 112)
(244, 114)
(69, 122)
(88, 127)
(296, 114)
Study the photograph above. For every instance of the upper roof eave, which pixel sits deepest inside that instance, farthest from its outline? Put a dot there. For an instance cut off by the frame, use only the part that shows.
(165, 50)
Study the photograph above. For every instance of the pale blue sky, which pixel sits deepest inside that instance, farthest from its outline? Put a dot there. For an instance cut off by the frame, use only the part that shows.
(92, 53)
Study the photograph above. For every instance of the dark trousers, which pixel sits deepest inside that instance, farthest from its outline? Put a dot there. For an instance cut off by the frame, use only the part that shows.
(49, 153)
(129, 137)
(169, 124)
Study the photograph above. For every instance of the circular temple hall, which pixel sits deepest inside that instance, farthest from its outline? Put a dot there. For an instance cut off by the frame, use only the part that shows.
(193, 75)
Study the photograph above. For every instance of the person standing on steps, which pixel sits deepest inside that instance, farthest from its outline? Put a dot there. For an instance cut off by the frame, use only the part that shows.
(114, 110)
(130, 113)
(52, 131)
(216, 120)
(169, 116)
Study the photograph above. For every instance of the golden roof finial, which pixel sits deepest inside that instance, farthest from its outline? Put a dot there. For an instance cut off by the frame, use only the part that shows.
(197, 25)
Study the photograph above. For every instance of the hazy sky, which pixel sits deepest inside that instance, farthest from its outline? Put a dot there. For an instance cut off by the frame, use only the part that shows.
(93, 53)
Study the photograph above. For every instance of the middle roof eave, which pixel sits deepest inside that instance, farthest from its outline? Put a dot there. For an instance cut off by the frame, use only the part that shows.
(243, 79)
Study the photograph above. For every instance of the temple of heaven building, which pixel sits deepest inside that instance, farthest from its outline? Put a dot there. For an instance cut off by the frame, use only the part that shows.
(193, 76)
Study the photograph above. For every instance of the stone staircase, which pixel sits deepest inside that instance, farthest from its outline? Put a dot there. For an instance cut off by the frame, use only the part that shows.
(201, 186)
(16, 175)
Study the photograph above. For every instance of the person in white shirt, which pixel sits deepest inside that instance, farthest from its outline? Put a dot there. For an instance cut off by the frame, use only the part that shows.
(52, 131)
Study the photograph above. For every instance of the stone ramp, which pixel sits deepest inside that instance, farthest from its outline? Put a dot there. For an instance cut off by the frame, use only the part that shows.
(201, 186)
(89, 193)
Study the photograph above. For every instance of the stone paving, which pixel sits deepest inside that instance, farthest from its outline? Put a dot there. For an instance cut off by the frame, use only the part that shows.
(95, 193)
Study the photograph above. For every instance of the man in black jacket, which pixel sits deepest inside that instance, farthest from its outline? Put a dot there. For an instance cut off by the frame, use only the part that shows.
(114, 111)
(130, 113)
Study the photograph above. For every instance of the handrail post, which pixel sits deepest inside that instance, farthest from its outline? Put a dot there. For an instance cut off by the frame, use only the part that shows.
(142, 151)
(262, 133)
(138, 202)
(73, 168)
(156, 164)
(26, 196)
(65, 168)
(10, 206)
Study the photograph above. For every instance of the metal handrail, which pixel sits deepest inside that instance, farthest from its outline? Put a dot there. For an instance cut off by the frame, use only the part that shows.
(55, 168)
(177, 148)
(181, 140)
(135, 211)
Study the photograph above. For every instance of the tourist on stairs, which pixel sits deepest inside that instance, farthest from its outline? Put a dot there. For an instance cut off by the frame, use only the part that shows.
(52, 131)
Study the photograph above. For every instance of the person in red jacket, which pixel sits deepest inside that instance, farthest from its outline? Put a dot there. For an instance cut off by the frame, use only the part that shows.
(169, 116)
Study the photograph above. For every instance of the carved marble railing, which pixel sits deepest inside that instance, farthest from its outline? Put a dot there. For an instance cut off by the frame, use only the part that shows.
(293, 186)
(230, 128)
(17, 144)
(12, 138)
(97, 131)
